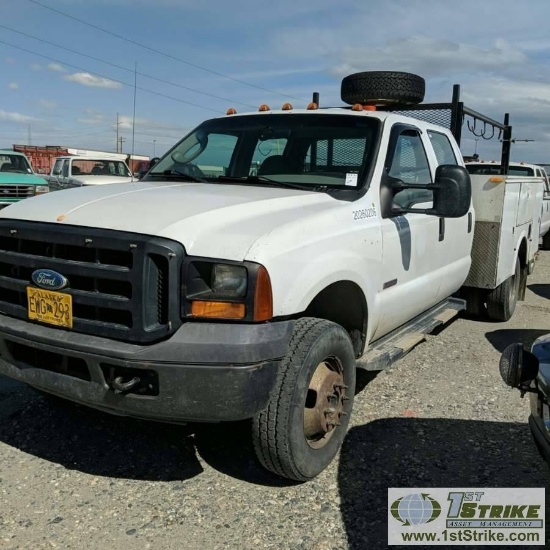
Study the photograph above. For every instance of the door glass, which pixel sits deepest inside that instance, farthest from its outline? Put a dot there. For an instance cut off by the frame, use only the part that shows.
(410, 165)
(65, 171)
(442, 148)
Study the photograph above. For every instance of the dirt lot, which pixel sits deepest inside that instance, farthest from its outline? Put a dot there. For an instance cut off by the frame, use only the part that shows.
(75, 478)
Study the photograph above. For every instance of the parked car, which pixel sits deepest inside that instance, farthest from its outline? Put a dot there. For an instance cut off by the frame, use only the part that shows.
(78, 171)
(17, 179)
(529, 372)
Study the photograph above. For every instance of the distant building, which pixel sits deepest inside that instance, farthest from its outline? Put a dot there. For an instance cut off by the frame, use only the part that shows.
(42, 158)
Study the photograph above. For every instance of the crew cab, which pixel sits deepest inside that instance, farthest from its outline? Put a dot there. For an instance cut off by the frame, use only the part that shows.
(17, 179)
(78, 171)
(257, 265)
(525, 170)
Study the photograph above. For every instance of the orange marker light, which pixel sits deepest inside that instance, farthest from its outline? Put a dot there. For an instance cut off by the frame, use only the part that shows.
(231, 111)
(357, 107)
(263, 296)
(218, 310)
(264, 107)
(287, 107)
(369, 107)
(312, 106)
(496, 179)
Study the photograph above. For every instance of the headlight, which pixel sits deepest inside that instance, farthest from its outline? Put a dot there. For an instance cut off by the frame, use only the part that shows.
(41, 189)
(229, 280)
(238, 291)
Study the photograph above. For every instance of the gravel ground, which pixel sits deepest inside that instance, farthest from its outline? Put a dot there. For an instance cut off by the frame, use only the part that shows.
(76, 478)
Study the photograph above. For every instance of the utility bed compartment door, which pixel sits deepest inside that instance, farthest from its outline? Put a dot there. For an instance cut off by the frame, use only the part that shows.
(526, 206)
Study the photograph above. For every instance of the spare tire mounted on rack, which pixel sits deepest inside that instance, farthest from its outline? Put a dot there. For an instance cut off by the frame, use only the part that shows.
(382, 88)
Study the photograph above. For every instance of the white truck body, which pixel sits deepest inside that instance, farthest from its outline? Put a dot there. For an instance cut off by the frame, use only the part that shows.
(259, 262)
(81, 170)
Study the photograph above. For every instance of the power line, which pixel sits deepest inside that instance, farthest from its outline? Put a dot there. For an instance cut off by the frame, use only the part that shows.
(159, 52)
(108, 77)
(124, 68)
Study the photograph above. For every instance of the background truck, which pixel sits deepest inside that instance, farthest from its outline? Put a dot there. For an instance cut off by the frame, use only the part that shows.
(325, 241)
(77, 171)
(17, 179)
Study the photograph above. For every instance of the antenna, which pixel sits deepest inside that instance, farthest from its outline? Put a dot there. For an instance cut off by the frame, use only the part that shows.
(134, 119)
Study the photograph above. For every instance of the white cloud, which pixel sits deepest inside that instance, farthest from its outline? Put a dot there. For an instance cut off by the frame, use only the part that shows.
(87, 79)
(13, 86)
(57, 67)
(47, 104)
(36, 67)
(16, 117)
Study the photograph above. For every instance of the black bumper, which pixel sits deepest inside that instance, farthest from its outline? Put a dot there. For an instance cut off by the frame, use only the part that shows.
(206, 372)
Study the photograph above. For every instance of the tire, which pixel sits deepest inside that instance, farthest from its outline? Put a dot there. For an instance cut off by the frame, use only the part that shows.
(475, 301)
(546, 242)
(289, 437)
(501, 302)
(382, 87)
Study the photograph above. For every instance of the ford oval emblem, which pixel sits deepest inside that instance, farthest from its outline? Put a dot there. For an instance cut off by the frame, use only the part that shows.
(47, 278)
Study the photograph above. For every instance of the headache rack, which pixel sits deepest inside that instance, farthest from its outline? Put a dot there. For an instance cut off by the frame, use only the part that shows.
(453, 115)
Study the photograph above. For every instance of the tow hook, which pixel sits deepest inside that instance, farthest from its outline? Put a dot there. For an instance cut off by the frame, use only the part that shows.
(120, 386)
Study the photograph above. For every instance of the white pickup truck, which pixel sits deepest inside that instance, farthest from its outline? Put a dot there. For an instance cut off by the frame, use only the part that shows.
(77, 171)
(329, 240)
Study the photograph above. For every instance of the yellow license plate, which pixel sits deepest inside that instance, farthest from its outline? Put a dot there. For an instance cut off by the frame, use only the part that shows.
(53, 308)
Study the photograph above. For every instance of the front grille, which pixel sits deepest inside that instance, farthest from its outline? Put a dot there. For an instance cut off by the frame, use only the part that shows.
(124, 286)
(16, 191)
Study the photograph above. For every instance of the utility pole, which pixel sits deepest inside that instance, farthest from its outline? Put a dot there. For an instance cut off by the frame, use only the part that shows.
(154, 148)
(29, 140)
(120, 141)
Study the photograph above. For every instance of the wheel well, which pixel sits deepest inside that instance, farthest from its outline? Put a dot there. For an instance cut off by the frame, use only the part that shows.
(343, 303)
(522, 253)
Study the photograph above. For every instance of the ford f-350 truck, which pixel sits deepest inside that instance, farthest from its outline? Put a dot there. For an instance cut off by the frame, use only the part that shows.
(330, 240)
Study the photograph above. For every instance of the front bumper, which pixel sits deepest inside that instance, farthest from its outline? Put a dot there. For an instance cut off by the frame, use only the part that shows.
(206, 372)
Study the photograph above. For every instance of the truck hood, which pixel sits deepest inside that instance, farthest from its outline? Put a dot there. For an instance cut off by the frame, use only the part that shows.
(100, 180)
(212, 220)
(17, 178)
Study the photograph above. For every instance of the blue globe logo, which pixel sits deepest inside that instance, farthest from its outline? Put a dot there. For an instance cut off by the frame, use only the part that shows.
(416, 509)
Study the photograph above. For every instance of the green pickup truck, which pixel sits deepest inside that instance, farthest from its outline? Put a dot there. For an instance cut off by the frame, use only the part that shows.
(17, 179)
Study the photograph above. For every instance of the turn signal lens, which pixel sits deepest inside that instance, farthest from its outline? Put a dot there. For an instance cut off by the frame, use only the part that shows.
(496, 179)
(263, 296)
(219, 310)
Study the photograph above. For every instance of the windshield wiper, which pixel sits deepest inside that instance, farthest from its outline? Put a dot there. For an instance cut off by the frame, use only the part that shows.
(262, 180)
(174, 174)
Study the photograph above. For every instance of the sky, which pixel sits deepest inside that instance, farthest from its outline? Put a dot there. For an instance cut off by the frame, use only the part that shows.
(63, 79)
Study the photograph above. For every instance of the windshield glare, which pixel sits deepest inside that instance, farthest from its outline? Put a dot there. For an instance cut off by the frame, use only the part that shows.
(324, 150)
(14, 163)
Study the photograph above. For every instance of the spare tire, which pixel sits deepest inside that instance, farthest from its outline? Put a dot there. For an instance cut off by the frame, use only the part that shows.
(382, 88)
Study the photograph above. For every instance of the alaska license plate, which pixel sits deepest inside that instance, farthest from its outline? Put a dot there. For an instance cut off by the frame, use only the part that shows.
(53, 308)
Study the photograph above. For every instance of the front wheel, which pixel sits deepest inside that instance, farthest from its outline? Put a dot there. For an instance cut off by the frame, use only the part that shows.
(301, 430)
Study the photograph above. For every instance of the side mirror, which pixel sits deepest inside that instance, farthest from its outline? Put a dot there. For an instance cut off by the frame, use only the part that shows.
(153, 161)
(452, 192)
(56, 173)
(518, 367)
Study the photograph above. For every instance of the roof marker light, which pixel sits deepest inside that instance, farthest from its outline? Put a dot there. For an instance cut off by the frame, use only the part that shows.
(357, 107)
(287, 107)
(264, 107)
(369, 107)
(312, 106)
(231, 111)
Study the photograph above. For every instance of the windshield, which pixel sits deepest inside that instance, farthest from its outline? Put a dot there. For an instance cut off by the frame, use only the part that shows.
(14, 163)
(494, 170)
(93, 167)
(307, 150)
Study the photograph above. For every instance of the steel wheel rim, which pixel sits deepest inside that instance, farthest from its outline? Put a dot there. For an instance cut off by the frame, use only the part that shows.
(324, 404)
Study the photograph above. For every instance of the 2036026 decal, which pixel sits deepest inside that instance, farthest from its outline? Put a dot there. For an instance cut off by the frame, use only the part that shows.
(364, 213)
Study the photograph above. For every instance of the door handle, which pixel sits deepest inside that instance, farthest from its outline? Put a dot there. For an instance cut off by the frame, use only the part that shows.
(441, 229)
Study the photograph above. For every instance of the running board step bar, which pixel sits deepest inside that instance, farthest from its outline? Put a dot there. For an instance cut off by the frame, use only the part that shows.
(384, 352)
